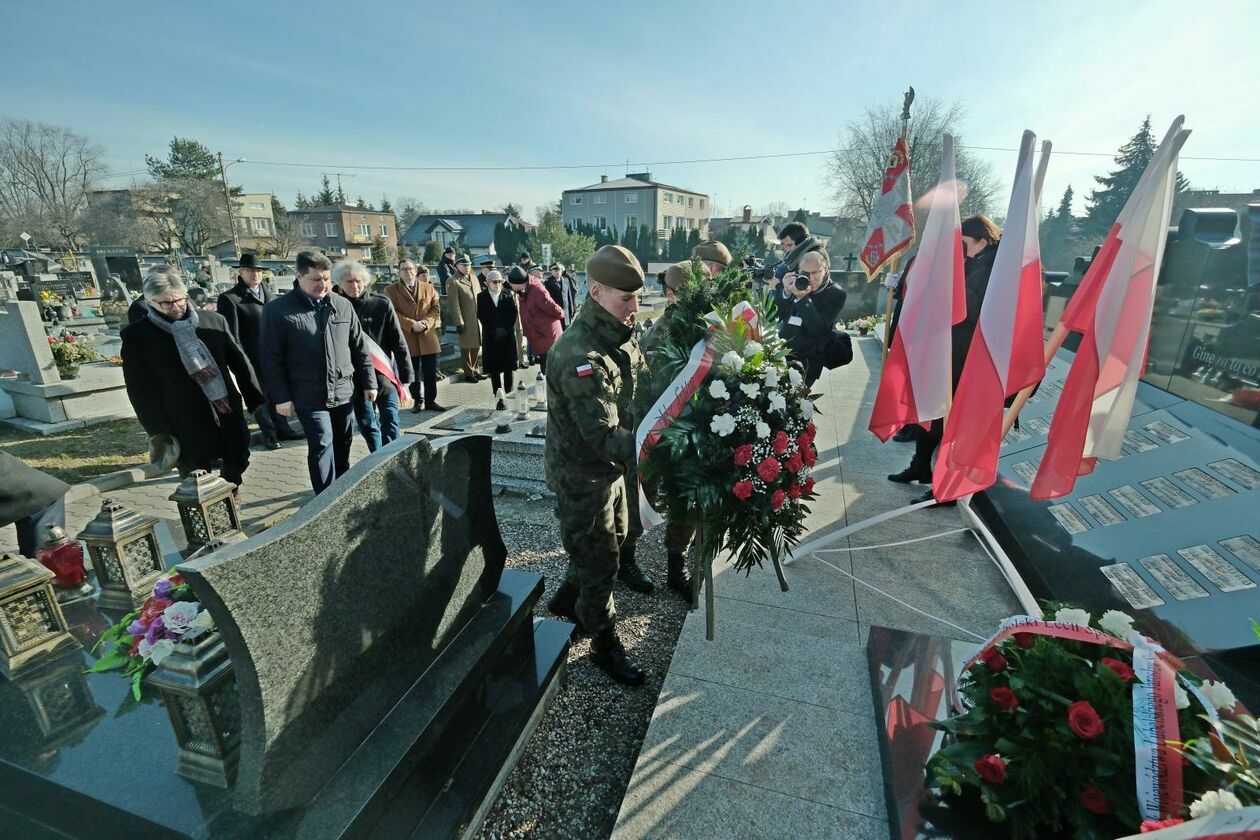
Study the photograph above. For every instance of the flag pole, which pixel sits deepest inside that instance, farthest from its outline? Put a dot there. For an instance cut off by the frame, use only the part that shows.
(892, 263)
(1021, 399)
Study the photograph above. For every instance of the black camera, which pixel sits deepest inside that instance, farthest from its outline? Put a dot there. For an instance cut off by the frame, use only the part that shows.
(801, 282)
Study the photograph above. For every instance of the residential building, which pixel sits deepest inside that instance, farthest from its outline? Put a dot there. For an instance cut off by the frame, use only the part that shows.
(470, 233)
(343, 230)
(255, 224)
(634, 201)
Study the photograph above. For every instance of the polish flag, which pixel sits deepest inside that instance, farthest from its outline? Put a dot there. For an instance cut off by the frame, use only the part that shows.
(382, 365)
(1007, 350)
(891, 227)
(915, 384)
(1112, 310)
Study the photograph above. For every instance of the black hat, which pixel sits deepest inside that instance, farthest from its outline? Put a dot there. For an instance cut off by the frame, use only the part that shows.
(525, 255)
(449, 249)
(517, 275)
(249, 261)
(487, 261)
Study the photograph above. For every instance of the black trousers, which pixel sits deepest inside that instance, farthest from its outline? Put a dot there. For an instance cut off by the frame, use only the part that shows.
(502, 380)
(426, 367)
(542, 363)
(926, 441)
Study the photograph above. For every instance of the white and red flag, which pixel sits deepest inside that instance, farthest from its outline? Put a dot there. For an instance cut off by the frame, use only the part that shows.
(1112, 311)
(1007, 350)
(915, 384)
(382, 365)
(891, 228)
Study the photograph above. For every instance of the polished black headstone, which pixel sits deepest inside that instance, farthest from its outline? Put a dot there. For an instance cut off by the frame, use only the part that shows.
(464, 420)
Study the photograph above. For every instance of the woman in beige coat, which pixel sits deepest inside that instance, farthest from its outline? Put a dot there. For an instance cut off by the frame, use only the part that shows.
(462, 289)
(420, 315)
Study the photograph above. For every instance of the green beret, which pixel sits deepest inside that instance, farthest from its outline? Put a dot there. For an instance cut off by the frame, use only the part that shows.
(615, 267)
(676, 275)
(713, 251)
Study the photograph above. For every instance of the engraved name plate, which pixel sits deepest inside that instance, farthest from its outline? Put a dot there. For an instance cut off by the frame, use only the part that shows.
(1069, 519)
(1133, 501)
(1172, 577)
(1139, 442)
(1131, 586)
(1216, 568)
(1016, 435)
(1237, 472)
(1246, 548)
(1169, 493)
(1204, 484)
(1165, 432)
(1038, 426)
(1098, 507)
(1026, 470)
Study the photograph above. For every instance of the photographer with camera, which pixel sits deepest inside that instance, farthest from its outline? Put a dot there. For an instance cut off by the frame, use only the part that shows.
(807, 320)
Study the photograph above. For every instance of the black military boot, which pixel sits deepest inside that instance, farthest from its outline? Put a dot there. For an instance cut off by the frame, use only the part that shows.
(632, 576)
(610, 656)
(564, 602)
(677, 578)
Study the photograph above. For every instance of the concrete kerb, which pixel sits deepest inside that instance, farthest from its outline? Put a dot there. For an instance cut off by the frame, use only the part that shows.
(113, 481)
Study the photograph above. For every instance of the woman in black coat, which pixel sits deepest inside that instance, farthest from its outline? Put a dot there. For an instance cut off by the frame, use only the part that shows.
(496, 310)
(189, 379)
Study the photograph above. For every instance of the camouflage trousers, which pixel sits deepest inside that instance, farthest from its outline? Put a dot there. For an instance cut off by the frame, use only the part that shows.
(678, 535)
(592, 528)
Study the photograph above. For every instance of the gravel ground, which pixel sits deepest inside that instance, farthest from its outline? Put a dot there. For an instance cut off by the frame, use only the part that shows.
(571, 779)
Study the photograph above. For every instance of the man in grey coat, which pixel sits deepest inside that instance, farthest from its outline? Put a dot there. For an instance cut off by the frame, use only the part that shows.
(313, 356)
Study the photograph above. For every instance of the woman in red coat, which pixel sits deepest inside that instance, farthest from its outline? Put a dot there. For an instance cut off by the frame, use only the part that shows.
(541, 317)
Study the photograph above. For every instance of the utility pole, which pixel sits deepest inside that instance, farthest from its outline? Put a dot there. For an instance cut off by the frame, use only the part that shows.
(340, 192)
(227, 197)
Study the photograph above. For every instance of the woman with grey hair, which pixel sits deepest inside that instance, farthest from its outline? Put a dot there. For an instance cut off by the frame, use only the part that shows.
(496, 310)
(176, 364)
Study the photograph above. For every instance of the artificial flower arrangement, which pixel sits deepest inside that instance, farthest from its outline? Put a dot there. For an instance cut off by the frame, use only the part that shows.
(143, 638)
(735, 459)
(862, 325)
(1047, 738)
(68, 354)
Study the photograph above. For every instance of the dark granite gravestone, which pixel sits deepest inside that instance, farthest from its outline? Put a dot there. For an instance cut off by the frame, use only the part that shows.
(389, 670)
(464, 420)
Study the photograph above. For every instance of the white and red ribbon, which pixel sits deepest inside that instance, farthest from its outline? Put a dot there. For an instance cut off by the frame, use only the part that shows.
(382, 365)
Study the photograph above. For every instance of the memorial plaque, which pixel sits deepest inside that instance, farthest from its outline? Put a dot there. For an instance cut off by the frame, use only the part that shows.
(1133, 501)
(1245, 548)
(1071, 521)
(1165, 432)
(1237, 472)
(1027, 470)
(1017, 435)
(464, 420)
(1203, 484)
(1220, 572)
(1131, 586)
(1168, 493)
(1098, 507)
(1039, 426)
(1139, 442)
(1172, 577)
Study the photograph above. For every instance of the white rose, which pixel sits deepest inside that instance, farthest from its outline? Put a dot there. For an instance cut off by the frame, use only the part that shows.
(1218, 694)
(733, 360)
(777, 402)
(794, 377)
(722, 425)
(1072, 616)
(750, 389)
(763, 431)
(1179, 694)
(1212, 802)
(751, 349)
(179, 615)
(159, 650)
(771, 377)
(717, 390)
(807, 410)
(1117, 624)
(201, 624)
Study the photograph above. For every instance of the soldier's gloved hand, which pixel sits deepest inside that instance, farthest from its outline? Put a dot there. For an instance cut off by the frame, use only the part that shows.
(459, 329)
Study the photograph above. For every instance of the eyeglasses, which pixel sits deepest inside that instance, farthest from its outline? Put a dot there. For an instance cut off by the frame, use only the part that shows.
(169, 304)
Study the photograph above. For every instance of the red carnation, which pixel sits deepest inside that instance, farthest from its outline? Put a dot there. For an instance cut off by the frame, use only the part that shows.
(794, 492)
(1084, 721)
(743, 454)
(742, 489)
(812, 431)
(1003, 697)
(794, 464)
(809, 485)
(69, 339)
(780, 442)
(1095, 800)
(803, 440)
(1025, 640)
(1124, 672)
(1158, 825)
(768, 469)
(995, 660)
(809, 455)
(776, 499)
(991, 768)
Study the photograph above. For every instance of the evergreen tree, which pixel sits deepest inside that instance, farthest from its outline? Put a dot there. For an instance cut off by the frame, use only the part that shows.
(693, 239)
(186, 159)
(325, 196)
(361, 204)
(1105, 203)
(649, 249)
(381, 252)
(730, 238)
(801, 216)
(631, 240)
(341, 195)
(1060, 241)
(302, 202)
(432, 251)
(386, 207)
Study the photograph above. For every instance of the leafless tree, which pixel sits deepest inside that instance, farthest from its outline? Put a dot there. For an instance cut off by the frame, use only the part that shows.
(111, 218)
(406, 209)
(46, 174)
(856, 169)
(288, 235)
(188, 213)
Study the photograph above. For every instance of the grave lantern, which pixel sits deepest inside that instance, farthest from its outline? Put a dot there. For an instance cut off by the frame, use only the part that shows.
(539, 395)
(64, 558)
(502, 421)
(198, 688)
(207, 509)
(520, 400)
(124, 550)
(32, 626)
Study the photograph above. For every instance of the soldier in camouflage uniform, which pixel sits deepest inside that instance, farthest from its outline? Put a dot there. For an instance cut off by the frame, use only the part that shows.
(590, 447)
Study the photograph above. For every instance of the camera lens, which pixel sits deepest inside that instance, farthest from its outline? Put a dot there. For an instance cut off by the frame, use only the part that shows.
(802, 282)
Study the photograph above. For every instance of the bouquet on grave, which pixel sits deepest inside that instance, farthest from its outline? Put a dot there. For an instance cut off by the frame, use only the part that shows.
(143, 638)
(1073, 727)
(728, 445)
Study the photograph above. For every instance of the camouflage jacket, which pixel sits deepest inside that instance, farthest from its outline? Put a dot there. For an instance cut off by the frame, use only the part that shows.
(590, 389)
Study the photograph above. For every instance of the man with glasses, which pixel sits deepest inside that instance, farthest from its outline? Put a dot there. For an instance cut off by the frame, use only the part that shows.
(808, 321)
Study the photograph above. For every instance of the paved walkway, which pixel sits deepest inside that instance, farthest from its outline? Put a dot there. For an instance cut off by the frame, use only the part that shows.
(769, 730)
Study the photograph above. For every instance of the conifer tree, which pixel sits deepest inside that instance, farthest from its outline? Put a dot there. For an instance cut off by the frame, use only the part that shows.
(325, 196)
(1105, 203)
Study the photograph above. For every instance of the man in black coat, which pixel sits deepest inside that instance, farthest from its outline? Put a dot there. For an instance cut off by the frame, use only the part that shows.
(563, 291)
(446, 267)
(808, 323)
(378, 422)
(241, 306)
(314, 356)
(174, 400)
(29, 499)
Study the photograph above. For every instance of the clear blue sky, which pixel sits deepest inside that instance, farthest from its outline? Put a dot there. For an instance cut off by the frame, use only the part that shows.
(348, 85)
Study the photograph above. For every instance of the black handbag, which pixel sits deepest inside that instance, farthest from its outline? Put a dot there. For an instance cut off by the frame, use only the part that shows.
(839, 350)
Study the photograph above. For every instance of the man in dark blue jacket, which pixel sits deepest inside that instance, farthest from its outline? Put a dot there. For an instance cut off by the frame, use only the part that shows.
(313, 356)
